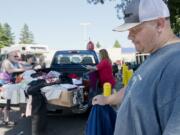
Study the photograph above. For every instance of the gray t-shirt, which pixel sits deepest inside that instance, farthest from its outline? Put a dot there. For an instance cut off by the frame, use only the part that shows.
(151, 105)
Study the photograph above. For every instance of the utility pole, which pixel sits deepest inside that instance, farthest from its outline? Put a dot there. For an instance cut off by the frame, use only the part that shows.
(85, 25)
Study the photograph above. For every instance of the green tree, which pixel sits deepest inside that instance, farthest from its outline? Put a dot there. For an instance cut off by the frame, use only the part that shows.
(116, 44)
(1, 34)
(26, 36)
(98, 45)
(3, 37)
(9, 34)
(174, 7)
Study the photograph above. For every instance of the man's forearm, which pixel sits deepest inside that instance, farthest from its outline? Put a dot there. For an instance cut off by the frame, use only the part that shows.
(116, 98)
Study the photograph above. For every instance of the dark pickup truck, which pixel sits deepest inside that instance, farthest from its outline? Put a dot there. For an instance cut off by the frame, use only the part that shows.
(72, 64)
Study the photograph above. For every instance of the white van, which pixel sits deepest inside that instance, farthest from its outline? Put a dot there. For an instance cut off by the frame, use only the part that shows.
(26, 48)
(39, 50)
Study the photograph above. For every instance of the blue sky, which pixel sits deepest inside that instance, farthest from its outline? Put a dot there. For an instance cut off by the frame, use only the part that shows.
(56, 23)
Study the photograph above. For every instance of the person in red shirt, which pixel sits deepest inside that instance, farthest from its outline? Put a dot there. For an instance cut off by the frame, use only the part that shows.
(104, 69)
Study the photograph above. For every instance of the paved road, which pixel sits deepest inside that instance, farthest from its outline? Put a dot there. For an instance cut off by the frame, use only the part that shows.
(58, 124)
(61, 124)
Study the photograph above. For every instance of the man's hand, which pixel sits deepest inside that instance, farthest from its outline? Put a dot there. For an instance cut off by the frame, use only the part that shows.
(113, 99)
(99, 99)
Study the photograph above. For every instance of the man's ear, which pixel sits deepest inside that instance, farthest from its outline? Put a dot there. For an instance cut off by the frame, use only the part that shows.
(160, 24)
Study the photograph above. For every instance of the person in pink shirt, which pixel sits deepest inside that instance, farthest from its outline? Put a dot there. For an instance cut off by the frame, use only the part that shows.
(104, 69)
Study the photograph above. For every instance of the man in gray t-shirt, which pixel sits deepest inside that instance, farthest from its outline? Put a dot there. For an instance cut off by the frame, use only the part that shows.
(150, 104)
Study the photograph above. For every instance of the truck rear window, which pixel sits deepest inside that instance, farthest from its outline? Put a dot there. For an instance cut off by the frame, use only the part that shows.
(75, 58)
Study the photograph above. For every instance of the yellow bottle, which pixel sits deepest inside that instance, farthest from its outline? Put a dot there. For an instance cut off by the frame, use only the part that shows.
(107, 89)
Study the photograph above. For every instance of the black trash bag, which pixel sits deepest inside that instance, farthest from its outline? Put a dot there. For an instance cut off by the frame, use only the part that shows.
(39, 107)
(35, 86)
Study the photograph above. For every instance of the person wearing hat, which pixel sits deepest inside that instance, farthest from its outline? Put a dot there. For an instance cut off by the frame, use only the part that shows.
(150, 102)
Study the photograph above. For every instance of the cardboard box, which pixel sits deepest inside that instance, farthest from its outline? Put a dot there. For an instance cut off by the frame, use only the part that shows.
(65, 99)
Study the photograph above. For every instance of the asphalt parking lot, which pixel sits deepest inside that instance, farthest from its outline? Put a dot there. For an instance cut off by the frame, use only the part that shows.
(58, 124)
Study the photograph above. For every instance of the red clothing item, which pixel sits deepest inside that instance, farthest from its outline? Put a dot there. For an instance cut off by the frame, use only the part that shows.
(105, 72)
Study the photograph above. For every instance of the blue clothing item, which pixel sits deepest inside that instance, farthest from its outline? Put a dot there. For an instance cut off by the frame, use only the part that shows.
(101, 121)
(151, 105)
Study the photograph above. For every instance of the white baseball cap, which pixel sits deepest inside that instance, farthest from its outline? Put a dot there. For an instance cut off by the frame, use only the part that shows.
(138, 11)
